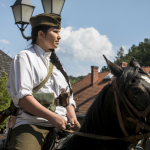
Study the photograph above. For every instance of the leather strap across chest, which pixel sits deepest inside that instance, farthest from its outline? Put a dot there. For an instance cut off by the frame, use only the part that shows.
(45, 80)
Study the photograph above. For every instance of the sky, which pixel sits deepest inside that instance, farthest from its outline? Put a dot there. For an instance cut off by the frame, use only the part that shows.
(90, 29)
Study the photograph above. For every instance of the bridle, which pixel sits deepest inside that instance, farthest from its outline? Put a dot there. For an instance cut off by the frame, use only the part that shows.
(136, 117)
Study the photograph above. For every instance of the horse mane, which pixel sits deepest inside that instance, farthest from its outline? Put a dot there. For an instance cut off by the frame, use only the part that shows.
(127, 77)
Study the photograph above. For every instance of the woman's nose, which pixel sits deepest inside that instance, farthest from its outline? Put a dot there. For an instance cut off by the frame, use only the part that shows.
(59, 37)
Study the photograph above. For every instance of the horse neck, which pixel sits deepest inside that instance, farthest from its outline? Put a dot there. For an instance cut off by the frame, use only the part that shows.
(101, 119)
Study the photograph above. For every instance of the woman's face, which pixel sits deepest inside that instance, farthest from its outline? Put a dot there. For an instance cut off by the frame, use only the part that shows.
(50, 40)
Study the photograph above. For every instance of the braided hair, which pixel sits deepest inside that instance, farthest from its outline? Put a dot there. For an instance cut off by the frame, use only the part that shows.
(54, 59)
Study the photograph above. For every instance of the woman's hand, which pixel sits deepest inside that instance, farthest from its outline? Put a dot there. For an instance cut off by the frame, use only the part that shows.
(72, 118)
(58, 122)
(75, 125)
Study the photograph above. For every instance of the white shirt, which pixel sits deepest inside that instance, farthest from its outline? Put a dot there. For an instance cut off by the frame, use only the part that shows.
(28, 69)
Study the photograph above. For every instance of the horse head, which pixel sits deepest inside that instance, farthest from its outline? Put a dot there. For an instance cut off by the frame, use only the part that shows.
(132, 85)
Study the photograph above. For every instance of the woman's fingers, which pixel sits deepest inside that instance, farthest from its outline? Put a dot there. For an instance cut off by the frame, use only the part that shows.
(75, 126)
(62, 128)
(58, 122)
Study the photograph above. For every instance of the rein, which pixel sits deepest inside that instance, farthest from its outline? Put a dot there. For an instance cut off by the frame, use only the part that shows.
(135, 118)
(101, 137)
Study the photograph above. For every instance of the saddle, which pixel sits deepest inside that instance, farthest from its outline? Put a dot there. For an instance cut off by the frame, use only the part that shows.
(63, 142)
(56, 140)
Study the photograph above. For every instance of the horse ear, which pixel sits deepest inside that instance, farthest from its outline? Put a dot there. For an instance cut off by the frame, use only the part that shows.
(115, 70)
(134, 63)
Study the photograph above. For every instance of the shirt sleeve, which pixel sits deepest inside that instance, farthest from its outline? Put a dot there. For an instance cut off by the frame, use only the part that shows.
(20, 82)
(72, 101)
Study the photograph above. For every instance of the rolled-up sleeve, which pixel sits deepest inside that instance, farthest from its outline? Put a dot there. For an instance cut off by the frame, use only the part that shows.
(71, 101)
(20, 82)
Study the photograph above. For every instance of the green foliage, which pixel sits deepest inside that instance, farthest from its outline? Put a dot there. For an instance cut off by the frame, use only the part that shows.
(141, 53)
(75, 79)
(104, 68)
(4, 97)
(120, 56)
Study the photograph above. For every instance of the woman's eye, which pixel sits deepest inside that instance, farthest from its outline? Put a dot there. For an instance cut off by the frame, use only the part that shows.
(55, 31)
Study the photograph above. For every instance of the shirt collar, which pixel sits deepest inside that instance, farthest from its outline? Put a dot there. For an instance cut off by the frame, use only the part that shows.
(41, 51)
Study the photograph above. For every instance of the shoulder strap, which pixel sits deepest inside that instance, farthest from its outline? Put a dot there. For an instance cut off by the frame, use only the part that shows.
(45, 80)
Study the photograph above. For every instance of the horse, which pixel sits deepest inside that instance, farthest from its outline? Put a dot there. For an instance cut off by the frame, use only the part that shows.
(117, 112)
(119, 116)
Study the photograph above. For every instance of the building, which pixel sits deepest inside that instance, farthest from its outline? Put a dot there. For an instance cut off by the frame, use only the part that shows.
(86, 90)
(5, 62)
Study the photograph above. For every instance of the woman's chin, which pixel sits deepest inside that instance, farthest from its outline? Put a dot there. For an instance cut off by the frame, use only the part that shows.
(54, 47)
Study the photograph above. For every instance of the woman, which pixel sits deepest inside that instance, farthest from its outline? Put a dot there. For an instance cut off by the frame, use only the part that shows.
(28, 69)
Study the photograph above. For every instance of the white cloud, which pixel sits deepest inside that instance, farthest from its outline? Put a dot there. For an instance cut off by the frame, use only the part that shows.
(2, 5)
(4, 41)
(85, 45)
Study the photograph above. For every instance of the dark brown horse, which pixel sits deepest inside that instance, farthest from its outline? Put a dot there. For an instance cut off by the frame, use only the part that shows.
(102, 117)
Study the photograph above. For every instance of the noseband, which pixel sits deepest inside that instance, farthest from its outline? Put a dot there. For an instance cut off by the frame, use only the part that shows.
(136, 117)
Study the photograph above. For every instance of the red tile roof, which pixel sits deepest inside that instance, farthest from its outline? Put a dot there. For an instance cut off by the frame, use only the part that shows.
(147, 69)
(85, 93)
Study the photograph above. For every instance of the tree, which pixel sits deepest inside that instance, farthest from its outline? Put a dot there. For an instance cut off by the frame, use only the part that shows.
(120, 55)
(141, 53)
(75, 79)
(5, 100)
(104, 68)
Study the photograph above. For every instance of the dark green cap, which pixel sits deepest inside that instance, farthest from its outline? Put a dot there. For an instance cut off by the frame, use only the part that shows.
(46, 19)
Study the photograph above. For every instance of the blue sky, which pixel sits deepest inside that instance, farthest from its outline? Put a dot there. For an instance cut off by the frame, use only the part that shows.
(89, 30)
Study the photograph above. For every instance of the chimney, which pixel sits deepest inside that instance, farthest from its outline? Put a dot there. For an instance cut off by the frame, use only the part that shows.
(123, 64)
(94, 74)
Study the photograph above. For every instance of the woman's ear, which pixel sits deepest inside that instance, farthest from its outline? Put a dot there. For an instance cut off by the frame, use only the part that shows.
(41, 35)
